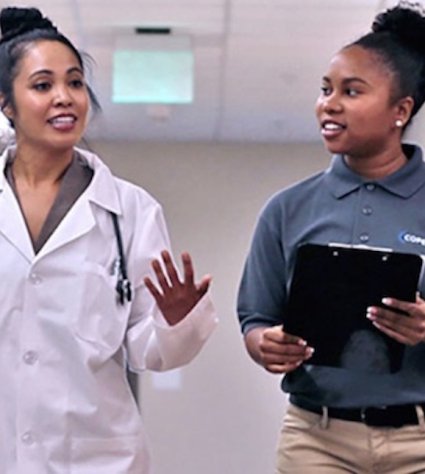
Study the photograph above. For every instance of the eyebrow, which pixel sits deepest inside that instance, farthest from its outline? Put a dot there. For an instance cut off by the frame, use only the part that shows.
(50, 73)
(347, 80)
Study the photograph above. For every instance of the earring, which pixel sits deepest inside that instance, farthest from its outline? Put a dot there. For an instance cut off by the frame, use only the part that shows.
(399, 123)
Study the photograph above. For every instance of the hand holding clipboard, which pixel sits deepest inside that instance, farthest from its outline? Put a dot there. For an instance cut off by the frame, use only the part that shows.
(331, 289)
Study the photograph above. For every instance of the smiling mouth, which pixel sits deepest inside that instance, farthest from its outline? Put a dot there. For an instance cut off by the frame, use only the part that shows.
(63, 120)
(332, 129)
(332, 126)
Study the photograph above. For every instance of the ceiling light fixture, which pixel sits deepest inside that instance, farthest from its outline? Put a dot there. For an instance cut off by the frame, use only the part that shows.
(153, 66)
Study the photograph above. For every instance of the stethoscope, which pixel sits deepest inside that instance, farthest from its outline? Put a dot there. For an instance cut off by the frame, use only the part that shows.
(123, 286)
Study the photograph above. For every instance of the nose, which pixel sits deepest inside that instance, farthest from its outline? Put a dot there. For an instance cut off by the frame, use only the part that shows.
(62, 96)
(331, 103)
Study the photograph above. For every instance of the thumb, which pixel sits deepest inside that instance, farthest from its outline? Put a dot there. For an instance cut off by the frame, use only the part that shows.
(204, 284)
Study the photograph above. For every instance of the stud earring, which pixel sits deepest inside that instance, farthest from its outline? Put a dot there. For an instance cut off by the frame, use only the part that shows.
(399, 123)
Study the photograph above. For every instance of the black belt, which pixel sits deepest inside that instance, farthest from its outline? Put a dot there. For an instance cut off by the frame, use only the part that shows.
(393, 416)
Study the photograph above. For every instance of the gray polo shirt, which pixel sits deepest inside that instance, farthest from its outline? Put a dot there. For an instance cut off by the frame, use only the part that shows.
(338, 205)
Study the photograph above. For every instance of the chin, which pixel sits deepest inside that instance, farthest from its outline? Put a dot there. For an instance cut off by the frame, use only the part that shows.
(335, 149)
(68, 142)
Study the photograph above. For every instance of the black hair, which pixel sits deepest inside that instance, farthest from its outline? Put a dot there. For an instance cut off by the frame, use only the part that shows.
(398, 40)
(19, 27)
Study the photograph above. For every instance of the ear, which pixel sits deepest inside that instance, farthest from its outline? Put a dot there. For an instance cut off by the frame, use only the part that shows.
(403, 109)
(7, 111)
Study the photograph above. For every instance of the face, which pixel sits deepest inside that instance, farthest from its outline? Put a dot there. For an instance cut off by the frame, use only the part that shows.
(51, 101)
(355, 111)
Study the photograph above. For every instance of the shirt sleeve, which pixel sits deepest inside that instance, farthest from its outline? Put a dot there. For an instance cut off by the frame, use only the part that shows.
(150, 341)
(262, 291)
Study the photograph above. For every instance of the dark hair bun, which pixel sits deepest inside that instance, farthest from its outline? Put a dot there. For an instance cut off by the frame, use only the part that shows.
(405, 22)
(16, 21)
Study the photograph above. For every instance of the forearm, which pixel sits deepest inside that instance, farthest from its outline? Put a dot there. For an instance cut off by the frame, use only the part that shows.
(154, 344)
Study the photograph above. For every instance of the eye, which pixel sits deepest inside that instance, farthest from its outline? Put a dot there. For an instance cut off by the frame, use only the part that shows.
(77, 83)
(352, 92)
(326, 90)
(42, 86)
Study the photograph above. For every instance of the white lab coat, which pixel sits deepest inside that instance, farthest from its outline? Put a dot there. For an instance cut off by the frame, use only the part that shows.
(65, 405)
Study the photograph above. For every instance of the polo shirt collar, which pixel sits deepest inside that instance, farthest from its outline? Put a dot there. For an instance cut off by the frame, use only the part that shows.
(404, 182)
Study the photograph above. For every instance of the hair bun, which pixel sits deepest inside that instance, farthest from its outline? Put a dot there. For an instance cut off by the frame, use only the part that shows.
(16, 21)
(406, 22)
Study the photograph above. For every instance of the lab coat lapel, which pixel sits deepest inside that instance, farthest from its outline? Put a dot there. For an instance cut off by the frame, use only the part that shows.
(12, 223)
(101, 194)
(77, 222)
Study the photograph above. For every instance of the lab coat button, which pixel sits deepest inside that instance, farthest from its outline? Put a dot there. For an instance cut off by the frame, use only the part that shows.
(35, 279)
(27, 438)
(30, 357)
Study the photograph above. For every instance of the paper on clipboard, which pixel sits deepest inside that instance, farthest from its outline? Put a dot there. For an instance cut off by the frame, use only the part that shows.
(331, 288)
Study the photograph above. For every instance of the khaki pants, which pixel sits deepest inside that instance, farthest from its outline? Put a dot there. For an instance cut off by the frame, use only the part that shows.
(312, 444)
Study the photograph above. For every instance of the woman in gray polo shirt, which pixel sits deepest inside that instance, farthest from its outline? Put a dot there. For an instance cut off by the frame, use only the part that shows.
(360, 417)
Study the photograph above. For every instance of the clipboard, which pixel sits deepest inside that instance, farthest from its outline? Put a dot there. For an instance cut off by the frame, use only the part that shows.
(331, 288)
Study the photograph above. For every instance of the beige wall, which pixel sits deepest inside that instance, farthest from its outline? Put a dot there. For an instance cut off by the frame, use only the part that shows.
(225, 416)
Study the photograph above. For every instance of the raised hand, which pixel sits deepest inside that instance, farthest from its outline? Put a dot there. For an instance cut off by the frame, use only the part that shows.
(175, 298)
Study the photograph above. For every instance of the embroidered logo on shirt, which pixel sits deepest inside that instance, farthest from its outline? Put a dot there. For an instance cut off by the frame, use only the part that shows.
(409, 238)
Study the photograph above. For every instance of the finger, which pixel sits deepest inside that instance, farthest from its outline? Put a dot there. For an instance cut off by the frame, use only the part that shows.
(277, 334)
(204, 285)
(408, 330)
(160, 276)
(391, 333)
(270, 359)
(397, 304)
(188, 269)
(291, 339)
(390, 318)
(171, 269)
(153, 289)
(282, 368)
(274, 333)
(294, 357)
(284, 350)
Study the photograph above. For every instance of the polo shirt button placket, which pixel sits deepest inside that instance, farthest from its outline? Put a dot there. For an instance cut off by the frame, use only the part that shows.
(364, 237)
(367, 210)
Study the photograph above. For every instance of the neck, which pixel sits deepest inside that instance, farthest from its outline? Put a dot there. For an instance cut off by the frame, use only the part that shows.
(36, 167)
(378, 166)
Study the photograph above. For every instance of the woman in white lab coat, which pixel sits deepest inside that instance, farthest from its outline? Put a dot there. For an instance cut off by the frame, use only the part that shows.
(77, 304)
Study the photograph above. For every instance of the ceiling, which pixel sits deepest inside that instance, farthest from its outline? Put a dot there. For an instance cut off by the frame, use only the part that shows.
(258, 63)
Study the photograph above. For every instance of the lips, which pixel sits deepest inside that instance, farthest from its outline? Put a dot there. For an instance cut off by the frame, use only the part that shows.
(331, 129)
(63, 122)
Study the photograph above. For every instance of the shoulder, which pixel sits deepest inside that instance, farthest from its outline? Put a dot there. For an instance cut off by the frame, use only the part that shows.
(294, 193)
(132, 193)
(287, 205)
(113, 191)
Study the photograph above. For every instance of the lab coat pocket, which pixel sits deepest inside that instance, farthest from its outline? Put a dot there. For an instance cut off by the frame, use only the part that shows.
(102, 320)
(121, 455)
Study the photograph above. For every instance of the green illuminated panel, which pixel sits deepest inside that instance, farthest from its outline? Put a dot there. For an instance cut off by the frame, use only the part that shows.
(160, 77)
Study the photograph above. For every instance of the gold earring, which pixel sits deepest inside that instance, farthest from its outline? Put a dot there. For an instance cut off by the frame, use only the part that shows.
(399, 123)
